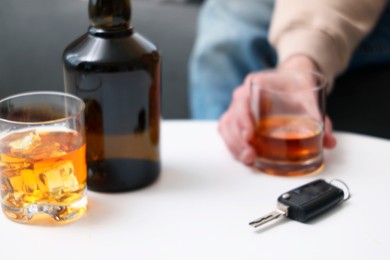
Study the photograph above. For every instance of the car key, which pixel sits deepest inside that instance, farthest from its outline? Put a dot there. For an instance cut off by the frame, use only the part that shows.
(305, 202)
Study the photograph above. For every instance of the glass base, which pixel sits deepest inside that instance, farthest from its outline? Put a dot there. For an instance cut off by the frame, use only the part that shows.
(45, 213)
(290, 169)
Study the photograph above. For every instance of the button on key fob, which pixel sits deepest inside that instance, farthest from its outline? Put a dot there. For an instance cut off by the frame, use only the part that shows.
(305, 202)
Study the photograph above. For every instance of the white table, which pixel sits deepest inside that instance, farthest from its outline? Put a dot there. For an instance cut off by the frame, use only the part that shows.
(202, 203)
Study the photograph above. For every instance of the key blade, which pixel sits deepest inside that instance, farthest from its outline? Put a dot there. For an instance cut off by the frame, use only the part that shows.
(267, 218)
(280, 211)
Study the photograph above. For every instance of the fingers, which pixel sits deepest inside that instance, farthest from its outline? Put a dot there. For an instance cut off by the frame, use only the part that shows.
(329, 139)
(236, 126)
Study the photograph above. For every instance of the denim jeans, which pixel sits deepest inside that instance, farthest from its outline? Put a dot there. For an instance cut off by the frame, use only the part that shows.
(232, 42)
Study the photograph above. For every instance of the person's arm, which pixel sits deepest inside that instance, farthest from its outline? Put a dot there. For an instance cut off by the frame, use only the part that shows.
(327, 31)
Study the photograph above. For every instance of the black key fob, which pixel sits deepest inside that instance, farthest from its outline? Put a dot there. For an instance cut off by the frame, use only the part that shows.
(311, 200)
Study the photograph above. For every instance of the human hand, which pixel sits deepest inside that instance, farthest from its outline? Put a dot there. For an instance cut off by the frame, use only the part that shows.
(236, 125)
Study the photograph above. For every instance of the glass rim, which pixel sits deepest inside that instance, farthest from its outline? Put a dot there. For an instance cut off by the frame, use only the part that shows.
(319, 76)
(42, 93)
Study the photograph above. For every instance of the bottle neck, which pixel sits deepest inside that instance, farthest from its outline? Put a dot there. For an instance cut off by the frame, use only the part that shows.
(110, 15)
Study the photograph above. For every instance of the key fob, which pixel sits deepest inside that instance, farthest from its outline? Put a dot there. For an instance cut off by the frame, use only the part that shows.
(311, 199)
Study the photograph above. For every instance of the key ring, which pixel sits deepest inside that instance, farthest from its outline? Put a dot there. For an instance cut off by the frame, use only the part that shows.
(346, 188)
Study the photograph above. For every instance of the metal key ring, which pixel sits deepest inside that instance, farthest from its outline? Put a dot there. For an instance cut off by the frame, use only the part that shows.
(346, 188)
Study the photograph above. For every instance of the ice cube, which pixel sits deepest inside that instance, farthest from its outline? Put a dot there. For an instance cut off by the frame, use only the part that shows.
(59, 180)
(16, 182)
(30, 184)
(25, 142)
(13, 163)
(14, 185)
(5, 185)
(20, 184)
(47, 150)
(68, 176)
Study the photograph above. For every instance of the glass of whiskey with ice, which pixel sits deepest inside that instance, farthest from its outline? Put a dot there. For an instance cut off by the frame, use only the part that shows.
(42, 157)
(288, 109)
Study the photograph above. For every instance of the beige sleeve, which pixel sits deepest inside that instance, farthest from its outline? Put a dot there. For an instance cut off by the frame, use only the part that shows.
(327, 31)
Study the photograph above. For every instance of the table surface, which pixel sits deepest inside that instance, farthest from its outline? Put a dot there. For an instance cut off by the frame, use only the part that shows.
(201, 205)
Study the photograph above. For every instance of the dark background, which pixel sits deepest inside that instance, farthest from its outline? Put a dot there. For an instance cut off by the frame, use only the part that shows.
(34, 33)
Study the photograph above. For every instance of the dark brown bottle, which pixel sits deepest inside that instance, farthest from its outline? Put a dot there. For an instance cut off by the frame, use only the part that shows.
(116, 72)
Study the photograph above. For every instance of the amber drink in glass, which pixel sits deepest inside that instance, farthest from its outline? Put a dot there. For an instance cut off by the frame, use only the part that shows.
(42, 166)
(288, 111)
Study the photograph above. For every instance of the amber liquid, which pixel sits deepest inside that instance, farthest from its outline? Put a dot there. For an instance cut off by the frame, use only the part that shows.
(43, 170)
(288, 145)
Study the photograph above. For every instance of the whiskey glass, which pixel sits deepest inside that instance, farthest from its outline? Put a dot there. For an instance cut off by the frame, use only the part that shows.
(42, 157)
(288, 109)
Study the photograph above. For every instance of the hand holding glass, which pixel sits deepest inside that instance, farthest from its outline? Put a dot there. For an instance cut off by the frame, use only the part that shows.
(289, 110)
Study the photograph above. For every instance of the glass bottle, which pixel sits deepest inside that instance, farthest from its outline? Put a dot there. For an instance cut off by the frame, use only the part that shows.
(116, 71)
